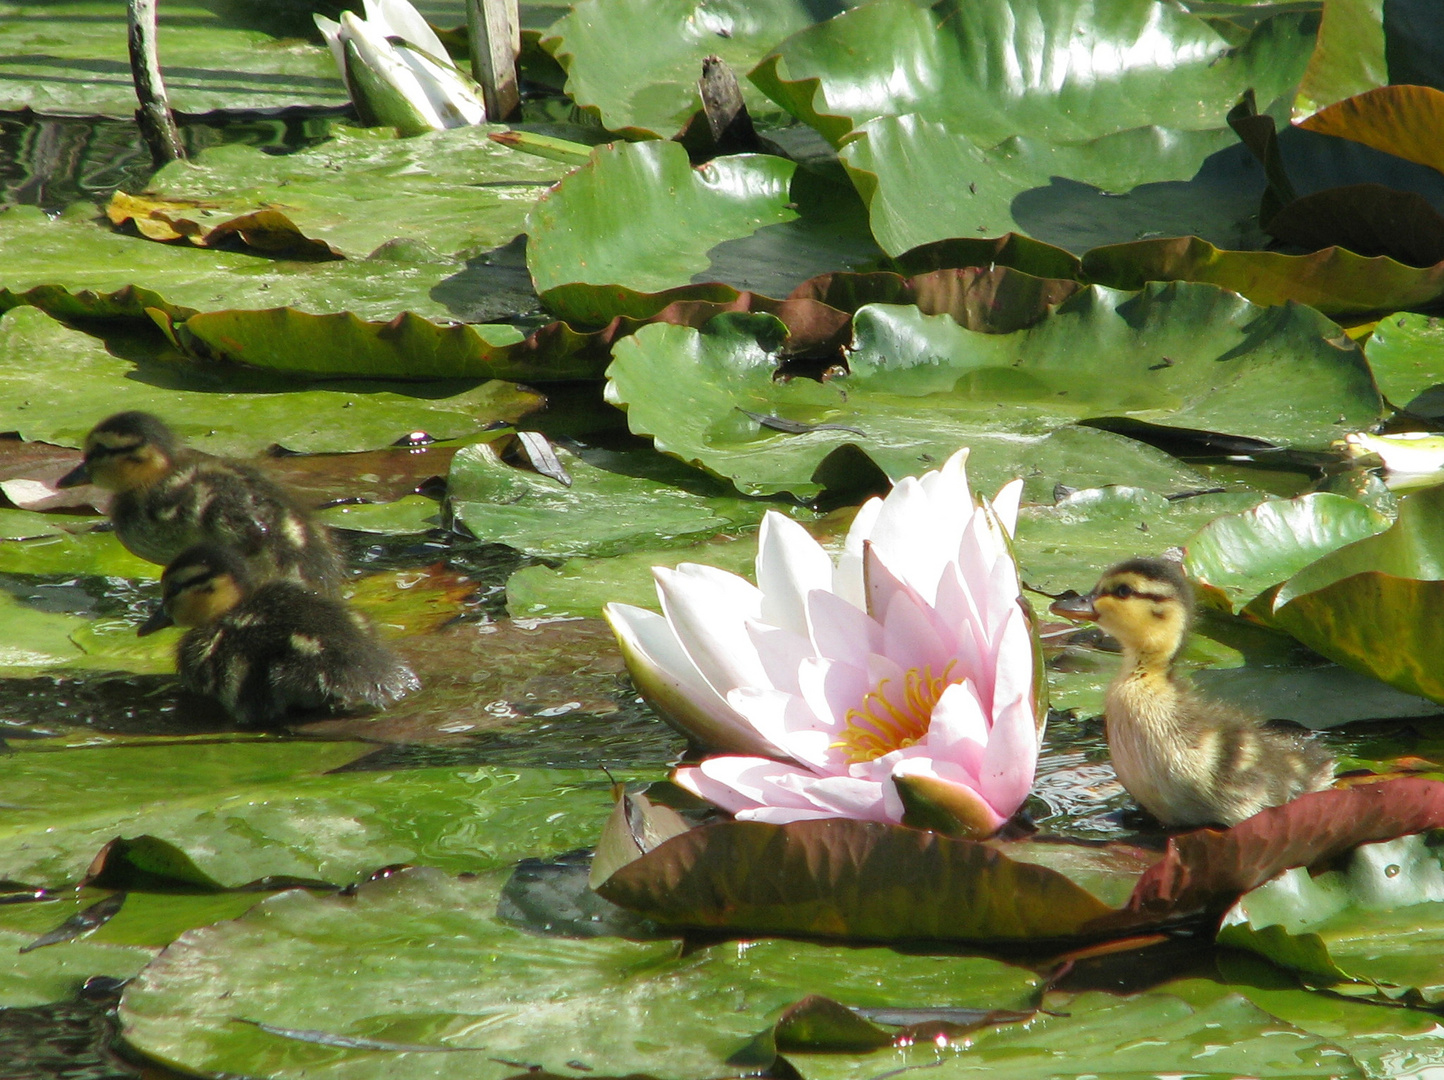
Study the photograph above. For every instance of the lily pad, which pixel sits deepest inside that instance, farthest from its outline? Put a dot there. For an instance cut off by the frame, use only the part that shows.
(1339, 283)
(1406, 354)
(636, 63)
(638, 219)
(616, 1007)
(243, 810)
(1366, 928)
(919, 98)
(615, 500)
(211, 417)
(921, 386)
(1239, 556)
(70, 59)
(581, 587)
(845, 879)
(1069, 544)
(456, 192)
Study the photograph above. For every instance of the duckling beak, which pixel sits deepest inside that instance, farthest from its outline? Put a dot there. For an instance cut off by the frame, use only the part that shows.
(159, 620)
(1074, 608)
(75, 477)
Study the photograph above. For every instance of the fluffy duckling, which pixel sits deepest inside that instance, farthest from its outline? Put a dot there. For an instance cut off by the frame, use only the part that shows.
(168, 497)
(1187, 760)
(263, 649)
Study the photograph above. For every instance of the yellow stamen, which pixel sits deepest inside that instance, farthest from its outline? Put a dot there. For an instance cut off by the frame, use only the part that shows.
(880, 725)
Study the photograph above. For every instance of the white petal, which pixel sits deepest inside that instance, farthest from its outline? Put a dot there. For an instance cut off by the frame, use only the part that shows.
(709, 609)
(452, 94)
(1005, 505)
(400, 19)
(910, 638)
(663, 672)
(386, 65)
(831, 689)
(790, 564)
(331, 31)
(847, 579)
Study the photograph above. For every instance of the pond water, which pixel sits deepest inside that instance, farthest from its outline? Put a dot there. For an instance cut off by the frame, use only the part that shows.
(511, 693)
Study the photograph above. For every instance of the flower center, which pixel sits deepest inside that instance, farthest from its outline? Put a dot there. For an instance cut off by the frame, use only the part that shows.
(886, 722)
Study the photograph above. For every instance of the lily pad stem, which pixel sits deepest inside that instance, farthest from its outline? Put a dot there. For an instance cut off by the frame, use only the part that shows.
(157, 125)
(494, 31)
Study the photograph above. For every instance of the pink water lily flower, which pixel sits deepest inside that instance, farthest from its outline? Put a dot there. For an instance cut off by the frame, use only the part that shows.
(898, 683)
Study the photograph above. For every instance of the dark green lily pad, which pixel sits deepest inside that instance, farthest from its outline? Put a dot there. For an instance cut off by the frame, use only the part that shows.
(1366, 928)
(921, 386)
(613, 1006)
(1239, 556)
(615, 501)
(365, 416)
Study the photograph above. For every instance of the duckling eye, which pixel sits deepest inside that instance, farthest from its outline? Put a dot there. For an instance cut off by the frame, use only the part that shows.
(1123, 592)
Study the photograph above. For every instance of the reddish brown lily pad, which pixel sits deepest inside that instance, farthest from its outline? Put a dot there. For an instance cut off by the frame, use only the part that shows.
(865, 880)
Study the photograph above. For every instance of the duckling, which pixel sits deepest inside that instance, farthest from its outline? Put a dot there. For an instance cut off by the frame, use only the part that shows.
(168, 497)
(263, 649)
(1187, 760)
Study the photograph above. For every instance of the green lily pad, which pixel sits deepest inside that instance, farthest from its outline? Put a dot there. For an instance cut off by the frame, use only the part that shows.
(580, 588)
(921, 386)
(616, 1007)
(918, 99)
(364, 416)
(1349, 55)
(615, 501)
(1069, 544)
(243, 810)
(57, 972)
(1367, 928)
(1239, 556)
(1405, 355)
(70, 58)
(636, 63)
(57, 263)
(456, 192)
(638, 219)
(409, 514)
(1367, 605)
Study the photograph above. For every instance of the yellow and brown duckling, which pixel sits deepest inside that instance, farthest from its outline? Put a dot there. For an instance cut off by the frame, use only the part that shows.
(266, 648)
(168, 497)
(1186, 759)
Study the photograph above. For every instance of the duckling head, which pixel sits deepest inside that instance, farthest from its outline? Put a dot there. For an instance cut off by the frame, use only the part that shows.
(1146, 604)
(124, 452)
(200, 585)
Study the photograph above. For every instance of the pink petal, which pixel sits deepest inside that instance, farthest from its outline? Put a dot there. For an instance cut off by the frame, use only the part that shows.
(841, 631)
(784, 721)
(1011, 757)
(1005, 505)
(847, 579)
(959, 731)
